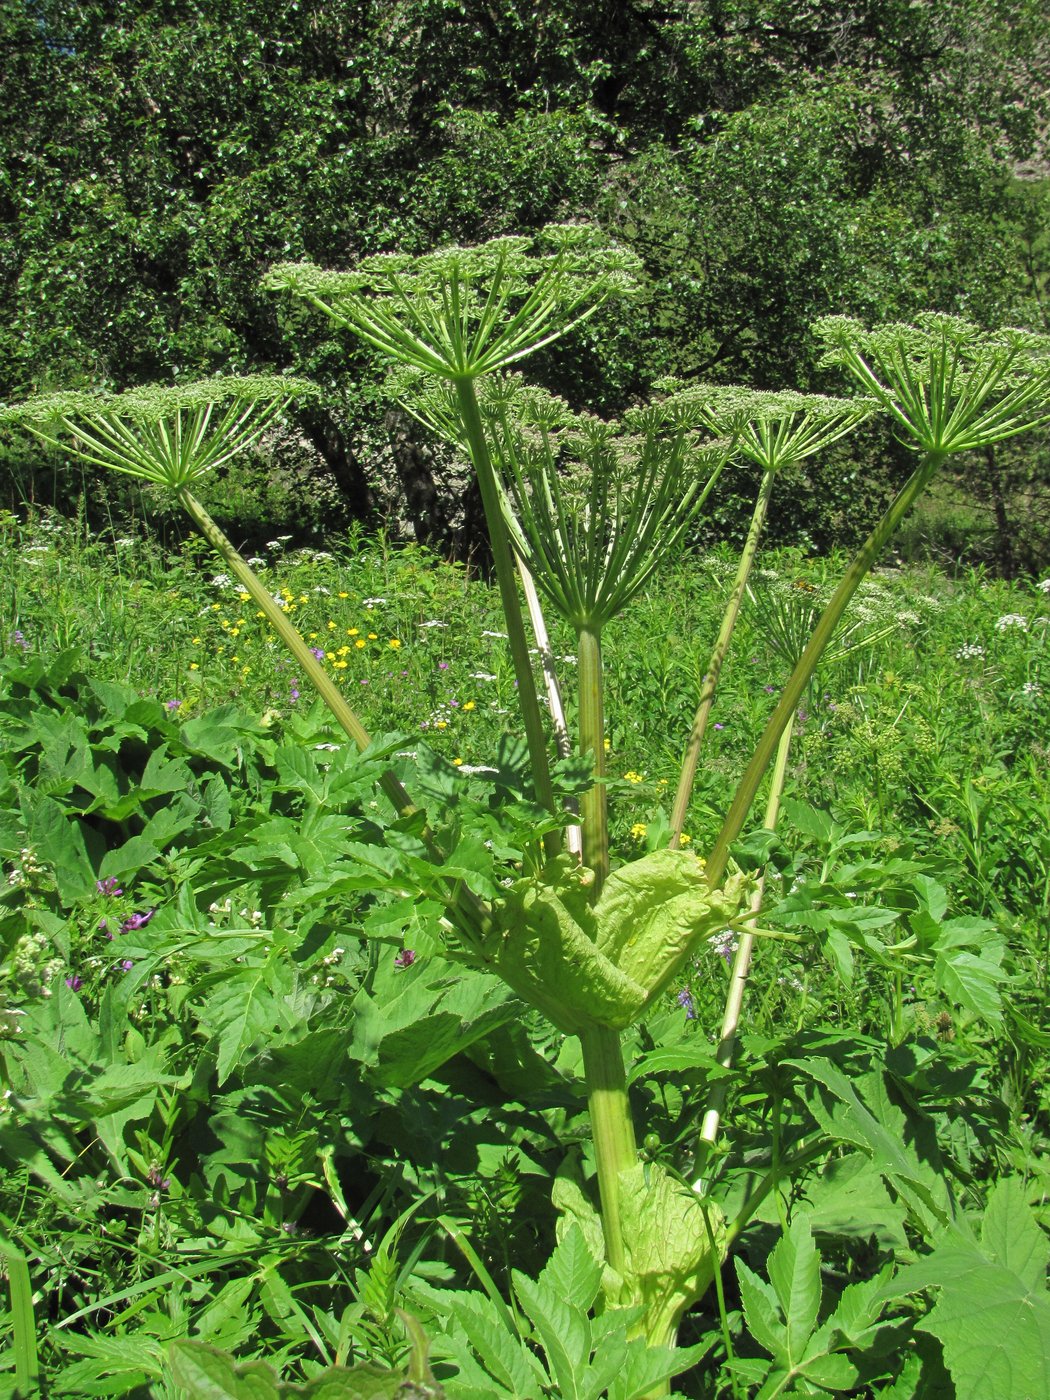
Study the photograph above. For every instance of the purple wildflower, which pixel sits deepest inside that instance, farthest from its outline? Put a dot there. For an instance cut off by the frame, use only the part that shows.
(74, 983)
(172, 704)
(18, 640)
(685, 1001)
(442, 665)
(108, 887)
(126, 965)
(769, 689)
(317, 652)
(135, 921)
(294, 695)
(719, 726)
(405, 958)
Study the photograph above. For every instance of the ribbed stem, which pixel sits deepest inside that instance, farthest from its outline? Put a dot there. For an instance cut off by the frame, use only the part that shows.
(807, 663)
(594, 806)
(718, 656)
(612, 1130)
(503, 560)
(738, 978)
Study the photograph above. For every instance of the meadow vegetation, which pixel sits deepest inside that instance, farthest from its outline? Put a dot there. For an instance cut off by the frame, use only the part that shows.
(261, 1113)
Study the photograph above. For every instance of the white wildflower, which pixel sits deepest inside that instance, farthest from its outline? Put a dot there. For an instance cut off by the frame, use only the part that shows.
(1011, 620)
(968, 651)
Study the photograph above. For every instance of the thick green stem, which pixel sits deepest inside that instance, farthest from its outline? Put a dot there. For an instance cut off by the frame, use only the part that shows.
(738, 978)
(503, 559)
(718, 656)
(594, 806)
(807, 663)
(612, 1130)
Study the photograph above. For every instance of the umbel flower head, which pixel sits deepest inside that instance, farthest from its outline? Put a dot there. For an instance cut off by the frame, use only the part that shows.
(774, 430)
(592, 506)
(170, 435)
(949, 386)
(462, 312)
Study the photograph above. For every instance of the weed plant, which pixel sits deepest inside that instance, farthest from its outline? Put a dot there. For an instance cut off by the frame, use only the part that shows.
(236, 991)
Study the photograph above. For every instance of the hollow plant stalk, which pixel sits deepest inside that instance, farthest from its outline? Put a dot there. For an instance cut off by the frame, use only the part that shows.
(800, 677)
(503, 560)
(562, 741)
(738, 977)
(612, 1127)
(687, 778)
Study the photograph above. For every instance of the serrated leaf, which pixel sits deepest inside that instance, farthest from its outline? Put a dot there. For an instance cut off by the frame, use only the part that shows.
(970, 980)
(504, 1356)
(761, 1312)
(992, 1315)
(573, 1272)
(205, 1373)
(563, 1332)
(837, 1105)
(794, 1272)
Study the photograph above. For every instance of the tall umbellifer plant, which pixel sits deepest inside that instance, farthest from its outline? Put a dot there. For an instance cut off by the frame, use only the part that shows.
(589, 506)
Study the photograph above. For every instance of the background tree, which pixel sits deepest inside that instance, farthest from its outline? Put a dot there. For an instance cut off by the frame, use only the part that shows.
(771, 160)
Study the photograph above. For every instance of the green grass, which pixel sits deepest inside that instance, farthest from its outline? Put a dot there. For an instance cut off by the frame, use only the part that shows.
(929, 733)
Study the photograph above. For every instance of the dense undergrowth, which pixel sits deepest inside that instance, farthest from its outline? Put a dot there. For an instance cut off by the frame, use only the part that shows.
(251, 1104)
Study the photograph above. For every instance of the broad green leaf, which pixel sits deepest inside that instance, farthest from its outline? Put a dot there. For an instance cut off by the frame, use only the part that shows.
(761, 1312)
(646, 1368)
(850, 1200)
(970, 980)
(992, 1314)
(878, 1127)
(248, 1005)
(563, 1332)
(503, 1355)
(573, 1272)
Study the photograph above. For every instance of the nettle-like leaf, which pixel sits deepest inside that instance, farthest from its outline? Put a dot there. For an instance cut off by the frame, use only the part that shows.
(992, 1314)
(782, 1316)
(204, 1373)
(563, 1350)
(860, 1111)
(602, 965)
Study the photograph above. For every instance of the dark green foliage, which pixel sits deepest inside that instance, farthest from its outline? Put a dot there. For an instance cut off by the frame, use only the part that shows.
(768, 161)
